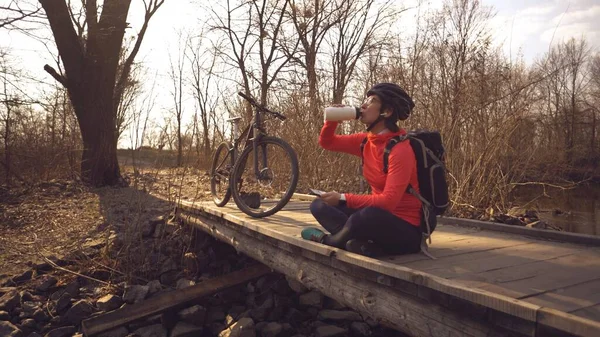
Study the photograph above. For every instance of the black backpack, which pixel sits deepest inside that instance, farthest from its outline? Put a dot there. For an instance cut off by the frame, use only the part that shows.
(431, 171)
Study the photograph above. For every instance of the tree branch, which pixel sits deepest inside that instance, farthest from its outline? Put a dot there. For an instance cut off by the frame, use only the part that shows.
(66, 39)
(61, 79)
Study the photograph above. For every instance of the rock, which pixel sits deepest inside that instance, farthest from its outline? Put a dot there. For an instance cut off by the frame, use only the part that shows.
(47, 283)
(135, 293)
(242, 328)
(155, 330)
(337, 315)
(26, 296)
(193, 315)
(159, 230)
(4, 316)
(266, 301)
(118, 332)
(236, 311)
(4, 290)
(168, 265)
(63, 303)
(10, 300)
(154, 286)
(65, 331)
(40, 316)
(215, 314)
(157, 220)
(7, 329)
(29, 324)
(184, 283)
(329, 331)
(109, 302)
(170, 228)
(296, 286)
(30, 307)
(281, 287)
(360, 329)
(287, 329)
(78, 312)
(330, 303)
(190, 262)
(73, 288)
(147, 229)
(371, 322)
(273, 329)
(169, 277)
(260, 325)
(183, 329)
(259, 314)
(296, 317)
(313, 298)
(26, 276)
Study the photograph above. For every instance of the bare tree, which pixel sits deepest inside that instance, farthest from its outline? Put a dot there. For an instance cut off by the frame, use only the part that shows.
(90, 76)
(312, 21)
(203, 62)
(355, 33)
(255, 42)
(176, 74)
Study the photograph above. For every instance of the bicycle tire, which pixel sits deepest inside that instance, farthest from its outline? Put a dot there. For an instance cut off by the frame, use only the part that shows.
(240, 165)
(214, 175)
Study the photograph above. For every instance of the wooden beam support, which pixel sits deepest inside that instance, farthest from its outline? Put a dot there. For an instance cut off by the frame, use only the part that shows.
(178, 298)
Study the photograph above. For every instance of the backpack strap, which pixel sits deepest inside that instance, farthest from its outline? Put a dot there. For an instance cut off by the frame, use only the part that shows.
(388, 148)
(362, 148)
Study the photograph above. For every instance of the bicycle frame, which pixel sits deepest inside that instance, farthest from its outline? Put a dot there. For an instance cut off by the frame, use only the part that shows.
(252, 134)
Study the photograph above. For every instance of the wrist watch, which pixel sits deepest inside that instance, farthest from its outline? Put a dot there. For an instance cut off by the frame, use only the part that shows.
(343, 199)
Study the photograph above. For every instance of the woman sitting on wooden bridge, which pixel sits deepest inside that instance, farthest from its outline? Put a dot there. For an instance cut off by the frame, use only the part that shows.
(387, 220)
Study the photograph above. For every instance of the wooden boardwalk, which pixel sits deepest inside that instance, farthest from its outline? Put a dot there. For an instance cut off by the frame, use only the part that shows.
(485, 281)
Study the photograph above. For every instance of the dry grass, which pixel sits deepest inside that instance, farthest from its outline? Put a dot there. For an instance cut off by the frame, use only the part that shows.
(67, 220)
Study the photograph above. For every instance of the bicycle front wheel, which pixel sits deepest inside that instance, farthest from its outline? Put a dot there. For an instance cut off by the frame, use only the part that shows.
(220, 170)
(264, 189)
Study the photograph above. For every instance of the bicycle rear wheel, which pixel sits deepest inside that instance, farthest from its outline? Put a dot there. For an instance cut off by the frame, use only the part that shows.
(263, 194)
(220, 171)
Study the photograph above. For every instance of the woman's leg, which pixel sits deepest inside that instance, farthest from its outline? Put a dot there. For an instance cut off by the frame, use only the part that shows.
(392, 234)
(331, 218)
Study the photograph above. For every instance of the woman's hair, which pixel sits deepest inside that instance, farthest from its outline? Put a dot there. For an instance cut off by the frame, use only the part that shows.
(391, 123)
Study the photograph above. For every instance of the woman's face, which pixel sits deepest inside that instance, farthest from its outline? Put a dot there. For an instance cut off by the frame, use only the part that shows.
(370, 109)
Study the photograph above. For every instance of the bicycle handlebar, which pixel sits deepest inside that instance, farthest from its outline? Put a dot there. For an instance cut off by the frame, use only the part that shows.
(260, 107)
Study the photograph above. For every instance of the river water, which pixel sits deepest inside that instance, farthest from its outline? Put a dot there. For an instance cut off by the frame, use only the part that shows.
(574, 210)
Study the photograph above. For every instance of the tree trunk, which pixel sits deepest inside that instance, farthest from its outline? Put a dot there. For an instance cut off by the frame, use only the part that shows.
(90, 79)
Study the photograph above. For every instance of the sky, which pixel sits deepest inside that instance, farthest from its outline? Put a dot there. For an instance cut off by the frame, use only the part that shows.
(525, 28)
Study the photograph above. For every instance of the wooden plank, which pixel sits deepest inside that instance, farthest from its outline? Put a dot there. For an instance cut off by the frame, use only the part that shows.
(479, 262)
(564, 322)
(459, 247)
(531, 249)
(537, 277)
(97, 324)
(571, 298)
(533, 232)
(591, 312)
(403, 312)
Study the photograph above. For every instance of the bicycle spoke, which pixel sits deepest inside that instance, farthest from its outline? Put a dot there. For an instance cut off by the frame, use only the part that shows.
(263, 189)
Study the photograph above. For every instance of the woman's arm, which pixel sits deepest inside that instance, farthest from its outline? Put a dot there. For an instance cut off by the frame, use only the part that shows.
(340, 143)
(402, 164)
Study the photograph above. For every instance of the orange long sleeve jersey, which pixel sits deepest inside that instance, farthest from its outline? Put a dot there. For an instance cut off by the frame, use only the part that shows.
(388, 190)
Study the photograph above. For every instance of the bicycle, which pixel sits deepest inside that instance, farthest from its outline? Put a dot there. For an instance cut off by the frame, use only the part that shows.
(271, 158)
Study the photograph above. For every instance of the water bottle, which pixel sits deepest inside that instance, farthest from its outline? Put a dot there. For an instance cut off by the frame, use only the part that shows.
(343, 113)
